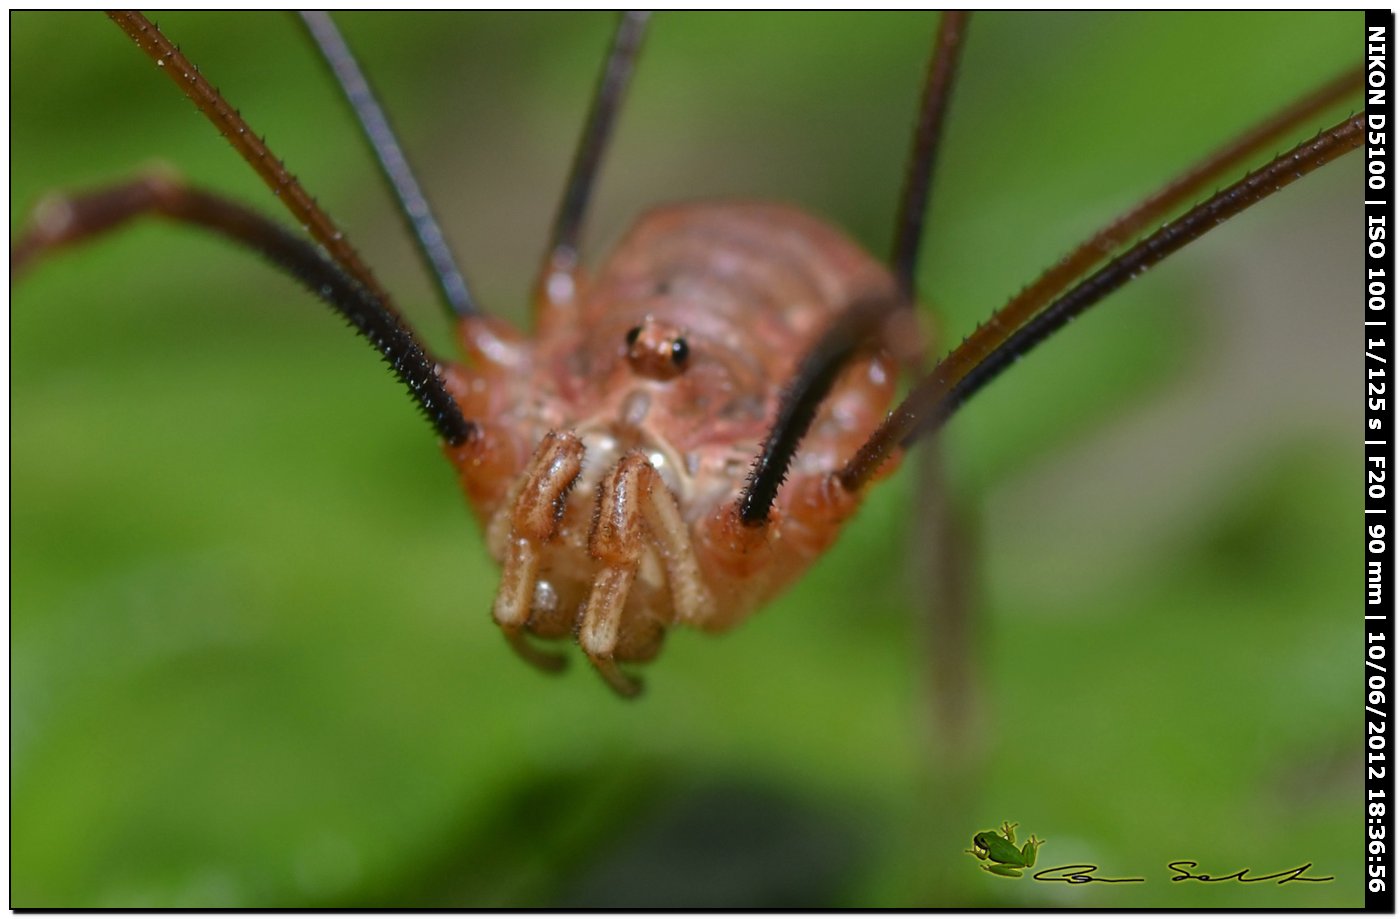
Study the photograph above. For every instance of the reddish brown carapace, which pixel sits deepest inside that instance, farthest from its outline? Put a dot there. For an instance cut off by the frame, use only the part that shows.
(613, 446)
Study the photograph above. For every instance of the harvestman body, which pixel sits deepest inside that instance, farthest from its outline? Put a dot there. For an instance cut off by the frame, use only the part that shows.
(608, 473)
(626, 460)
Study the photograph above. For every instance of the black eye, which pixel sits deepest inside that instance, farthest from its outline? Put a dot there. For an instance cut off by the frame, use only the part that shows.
(633, 334)
(679, 351)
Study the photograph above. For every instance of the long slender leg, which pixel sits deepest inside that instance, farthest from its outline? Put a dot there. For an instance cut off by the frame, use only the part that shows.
(61, 221)
(918, 179)
(250, 146)
(864, 319)
(1194, 181)
(635, 508)
(987, 337)
(557, 283)
(954, 381)
(991, 334)
(535, 513)
(852, 331)
(945, 603)
(393, 163)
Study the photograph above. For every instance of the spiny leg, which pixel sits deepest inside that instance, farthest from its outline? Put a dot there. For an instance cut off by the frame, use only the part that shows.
(983, 357)
(249, 145)
(634, 504)
(67, 220)
(921, 409)
(534, 520)
(1151, 211)
(868, 319)
(851, 332)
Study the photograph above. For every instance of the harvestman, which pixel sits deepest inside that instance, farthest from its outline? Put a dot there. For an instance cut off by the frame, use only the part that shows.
(635, 463)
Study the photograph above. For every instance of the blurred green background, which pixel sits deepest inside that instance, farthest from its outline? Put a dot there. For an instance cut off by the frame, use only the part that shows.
(252, 663)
